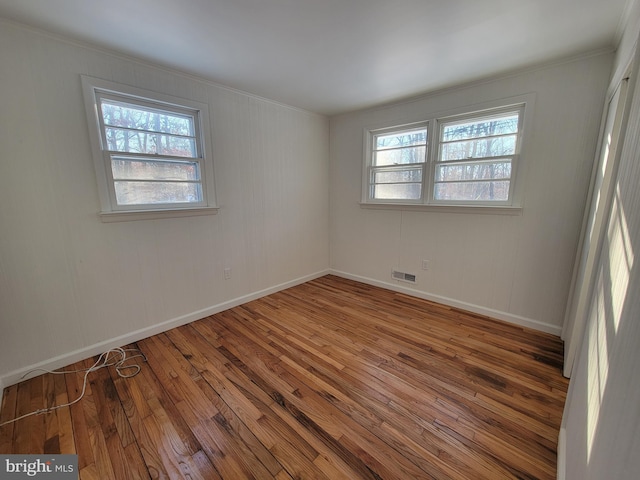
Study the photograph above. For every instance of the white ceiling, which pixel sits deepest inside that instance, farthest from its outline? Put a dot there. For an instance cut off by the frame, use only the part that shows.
(332, 56)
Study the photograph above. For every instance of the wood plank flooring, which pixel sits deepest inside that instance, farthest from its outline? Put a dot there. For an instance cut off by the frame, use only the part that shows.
(331, 379)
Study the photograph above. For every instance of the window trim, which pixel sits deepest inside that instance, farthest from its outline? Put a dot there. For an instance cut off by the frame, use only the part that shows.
(93, 89)
(524, 102)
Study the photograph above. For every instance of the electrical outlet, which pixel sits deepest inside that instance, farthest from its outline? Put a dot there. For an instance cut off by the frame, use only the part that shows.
(227, 273)
(425, 264)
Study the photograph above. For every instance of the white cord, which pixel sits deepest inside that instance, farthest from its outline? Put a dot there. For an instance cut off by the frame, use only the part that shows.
(106, 359)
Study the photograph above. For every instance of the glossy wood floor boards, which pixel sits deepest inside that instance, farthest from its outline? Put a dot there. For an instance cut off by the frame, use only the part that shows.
(330, 379)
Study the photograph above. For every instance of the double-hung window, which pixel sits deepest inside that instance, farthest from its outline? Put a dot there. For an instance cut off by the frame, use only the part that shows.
(468, 159)
(398, 163)
(149, 149)
(476, 157)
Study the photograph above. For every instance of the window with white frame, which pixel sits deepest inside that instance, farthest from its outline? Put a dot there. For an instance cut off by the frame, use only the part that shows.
(398, 162)
(471, 162)
(150, 149)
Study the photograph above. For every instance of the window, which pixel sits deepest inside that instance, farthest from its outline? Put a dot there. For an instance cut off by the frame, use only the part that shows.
(398, 163)
(149, 150)
(471, 162)
(475, 158)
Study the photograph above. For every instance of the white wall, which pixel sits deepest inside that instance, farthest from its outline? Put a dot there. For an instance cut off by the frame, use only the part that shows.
(71, 285)
(517, 268)
(600, 434)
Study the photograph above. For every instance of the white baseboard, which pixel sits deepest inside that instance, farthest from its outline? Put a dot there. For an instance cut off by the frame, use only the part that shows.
(489, 312)
(96, 349)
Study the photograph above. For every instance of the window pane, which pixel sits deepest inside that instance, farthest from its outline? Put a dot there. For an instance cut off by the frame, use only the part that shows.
(400, 156)
(473, 171)
(126, 115)
(397, 176)
(133, 141)
(177, 146)
(483, 127)
(403, 191)
(125, 169)
(401, 139)
(479, 148)
(141, 193)
(472, 191)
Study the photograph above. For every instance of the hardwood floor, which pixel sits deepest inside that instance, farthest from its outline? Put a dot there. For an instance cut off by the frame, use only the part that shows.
(330, 379)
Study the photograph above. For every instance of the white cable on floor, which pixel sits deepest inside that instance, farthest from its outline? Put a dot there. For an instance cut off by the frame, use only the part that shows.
(106, 359)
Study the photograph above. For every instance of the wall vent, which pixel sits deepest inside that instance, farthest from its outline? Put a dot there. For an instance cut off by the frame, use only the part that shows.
(403, 276)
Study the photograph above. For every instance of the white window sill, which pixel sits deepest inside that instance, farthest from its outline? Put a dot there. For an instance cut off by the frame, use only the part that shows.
(131, 215)
(479, 209)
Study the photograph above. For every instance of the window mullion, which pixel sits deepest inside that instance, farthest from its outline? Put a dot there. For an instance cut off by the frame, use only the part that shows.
(432, 153)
